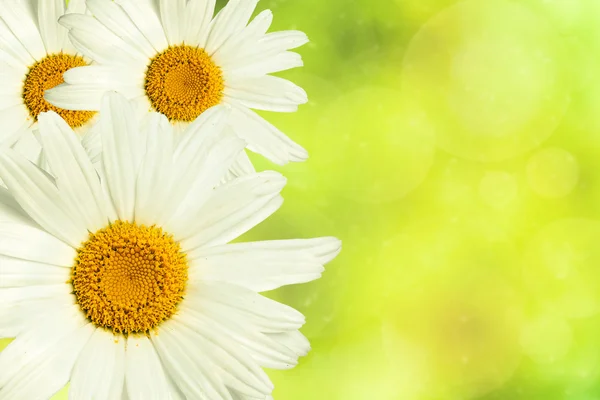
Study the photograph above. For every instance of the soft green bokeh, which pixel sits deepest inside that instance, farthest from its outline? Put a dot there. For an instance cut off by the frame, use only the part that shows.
(455, 149)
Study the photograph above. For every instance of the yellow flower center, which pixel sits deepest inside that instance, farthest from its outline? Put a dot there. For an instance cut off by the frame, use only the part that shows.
(129, 278)
(46, 74)
(182, 82)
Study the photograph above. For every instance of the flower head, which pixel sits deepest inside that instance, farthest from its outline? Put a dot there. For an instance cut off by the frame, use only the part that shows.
(122, 279)
(178, 60)
(35, 52)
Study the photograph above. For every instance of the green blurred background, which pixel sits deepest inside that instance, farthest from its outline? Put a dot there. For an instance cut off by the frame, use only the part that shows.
(455, 148)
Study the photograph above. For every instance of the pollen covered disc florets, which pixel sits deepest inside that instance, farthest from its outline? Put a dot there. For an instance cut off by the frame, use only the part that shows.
(182, 82)
(46, 74)
(129, 278)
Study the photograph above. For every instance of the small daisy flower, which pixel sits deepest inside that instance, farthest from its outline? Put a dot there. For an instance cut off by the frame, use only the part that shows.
(127, 286)
(35, 52)
(173, 57)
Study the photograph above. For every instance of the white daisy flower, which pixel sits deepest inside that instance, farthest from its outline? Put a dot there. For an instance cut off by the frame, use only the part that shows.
(173, 57)
(34, 53)
(127, 286)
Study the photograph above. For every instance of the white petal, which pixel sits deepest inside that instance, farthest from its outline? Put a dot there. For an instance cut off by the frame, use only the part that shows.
(231, 20)
(116, 19)
(155, 177)
(10, 97)
(246, 38)
(100, 370)
(235, 208)
(280, 62)
(198, 16)
(246, 306)
(52, 33)
(108, 75)
(268, 93)
(263, 266)
(175, 357)
(16, 316)
(265, 49)
(92, 143)
(172, 16)
(144, 376)
(15, 296)
(18, 15)
(238, 370)
(40, 198)
(195, 186)
(73, 7)
(203, 154)
(97, 42)
(14, 53)
(244, 323)
(147, 21)
(76, 97)
(122, 152)
(242, 166)
(29, 147)
(283, 40)
(15, 272)
(15, 123)
(294, 340)
(75, 175)
(20, 237)
(51, 372)
(39, 336)
(264, 138)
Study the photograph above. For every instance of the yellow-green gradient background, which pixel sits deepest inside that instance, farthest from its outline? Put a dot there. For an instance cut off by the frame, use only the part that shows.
(455, 148)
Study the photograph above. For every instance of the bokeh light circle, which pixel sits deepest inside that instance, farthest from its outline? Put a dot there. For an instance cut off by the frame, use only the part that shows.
(488, 73)
(498, 189)
(380, 146)
(552, 172)
(560, 267)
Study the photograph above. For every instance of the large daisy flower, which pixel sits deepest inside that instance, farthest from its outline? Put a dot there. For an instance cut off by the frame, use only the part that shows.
(173, 57)
(34, 54)
(126, 285)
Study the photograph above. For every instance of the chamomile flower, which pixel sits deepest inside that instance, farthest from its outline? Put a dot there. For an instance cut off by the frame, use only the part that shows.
(173, 57)
(127, 285)
(35, 52)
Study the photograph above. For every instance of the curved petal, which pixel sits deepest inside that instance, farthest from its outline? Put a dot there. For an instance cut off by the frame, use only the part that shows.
(232, 210)
(267, 265)
(238, 370)
(38, 337)
(22, 238)
(76, 97)
(40, 198)
(97, 42)
(51, 371)
(188, 376)
(100, 370)
(18, 16)
(156, 171)
(264, 138)
(147, 21)
(198, 15)
(15, 272)
(248, 307)
(268, 93)
(202, 157)
(123, 148)
(144, 376)
(52, 33)
(232, 19)
(75, 175)
(117, 21)
(172, 15)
